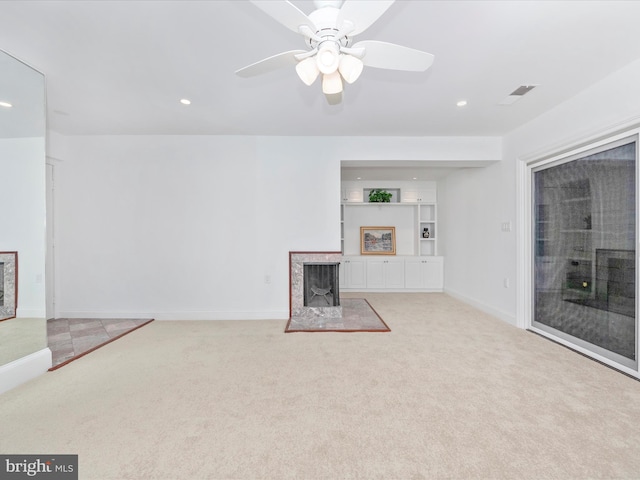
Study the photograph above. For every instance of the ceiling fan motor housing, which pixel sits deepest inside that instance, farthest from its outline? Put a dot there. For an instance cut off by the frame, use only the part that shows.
(325, 21)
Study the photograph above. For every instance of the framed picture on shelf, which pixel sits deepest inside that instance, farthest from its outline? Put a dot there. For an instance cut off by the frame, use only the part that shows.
(377, 240)
(8, 284)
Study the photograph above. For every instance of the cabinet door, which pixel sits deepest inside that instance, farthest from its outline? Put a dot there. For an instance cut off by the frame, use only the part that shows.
(357, 273)
(352, 192)
(433, 273)
(385, 273)
(418, 196)
(424, 273)
(409, 196)
(375, 273)
(413, 273)
(394, 274)
(352, 270)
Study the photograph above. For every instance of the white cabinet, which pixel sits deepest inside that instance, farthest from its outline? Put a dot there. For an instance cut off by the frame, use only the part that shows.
(353, 273)
(351, 192)
(424, 273)
(380, 274)
(385, 273)
(418, 195)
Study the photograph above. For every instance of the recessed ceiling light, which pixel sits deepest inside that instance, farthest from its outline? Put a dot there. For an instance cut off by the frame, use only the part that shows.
(185, 101)
(461, 103)
(5, 104)
(358, 178)
(415, 178)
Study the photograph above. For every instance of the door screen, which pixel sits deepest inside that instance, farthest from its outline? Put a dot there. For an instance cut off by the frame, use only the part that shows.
(584, 250)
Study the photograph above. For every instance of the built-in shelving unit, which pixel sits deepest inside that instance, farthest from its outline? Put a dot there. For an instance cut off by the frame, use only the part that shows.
(427, 233)
(413, 211)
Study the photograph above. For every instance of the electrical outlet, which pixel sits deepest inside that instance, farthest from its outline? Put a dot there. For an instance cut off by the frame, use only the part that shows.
(506, 226)
(267, 279)
(506, 282)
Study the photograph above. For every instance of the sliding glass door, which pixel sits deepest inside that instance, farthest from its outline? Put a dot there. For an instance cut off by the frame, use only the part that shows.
(584, 250)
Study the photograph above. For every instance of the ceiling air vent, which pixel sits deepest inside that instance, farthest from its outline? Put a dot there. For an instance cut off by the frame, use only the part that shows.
(517, 94)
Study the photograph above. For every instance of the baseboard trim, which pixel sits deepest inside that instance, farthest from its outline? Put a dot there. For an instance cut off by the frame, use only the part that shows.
(501, 314)
(24, 369)
(159, 316)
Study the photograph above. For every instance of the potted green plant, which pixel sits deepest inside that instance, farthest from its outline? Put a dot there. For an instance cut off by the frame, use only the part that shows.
(379, 196)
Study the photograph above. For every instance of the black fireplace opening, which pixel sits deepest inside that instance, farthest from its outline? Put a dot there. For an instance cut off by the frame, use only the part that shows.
(321, 284)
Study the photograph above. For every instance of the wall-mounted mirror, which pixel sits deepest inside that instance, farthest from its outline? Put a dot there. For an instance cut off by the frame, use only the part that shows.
(23, 205)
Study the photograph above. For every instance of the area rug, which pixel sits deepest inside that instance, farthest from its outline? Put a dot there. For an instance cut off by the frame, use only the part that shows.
(357, 316)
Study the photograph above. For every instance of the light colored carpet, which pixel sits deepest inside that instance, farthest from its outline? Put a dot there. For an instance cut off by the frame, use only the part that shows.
(20, 337)
(449, 393)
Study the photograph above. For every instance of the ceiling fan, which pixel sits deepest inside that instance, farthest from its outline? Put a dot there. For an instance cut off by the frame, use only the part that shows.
(328, 32)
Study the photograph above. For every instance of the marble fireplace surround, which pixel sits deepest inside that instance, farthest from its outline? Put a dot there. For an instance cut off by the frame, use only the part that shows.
(297, 309)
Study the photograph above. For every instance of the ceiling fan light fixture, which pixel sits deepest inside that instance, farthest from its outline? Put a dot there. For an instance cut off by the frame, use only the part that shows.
(329, 33)
(328, 57)
(350, 68)
(331, 83)
(307, 70)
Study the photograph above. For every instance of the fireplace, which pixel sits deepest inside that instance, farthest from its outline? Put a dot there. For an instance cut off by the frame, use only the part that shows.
(314, 284)
(321, 284)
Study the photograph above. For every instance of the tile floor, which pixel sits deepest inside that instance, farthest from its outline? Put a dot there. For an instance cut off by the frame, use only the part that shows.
(70, 337)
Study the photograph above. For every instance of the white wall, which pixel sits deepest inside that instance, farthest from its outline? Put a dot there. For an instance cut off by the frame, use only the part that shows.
(23, 218)
(479, 256)
(195, 226)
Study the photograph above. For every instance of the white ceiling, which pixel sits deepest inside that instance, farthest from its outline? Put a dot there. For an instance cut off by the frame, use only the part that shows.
(121, 67)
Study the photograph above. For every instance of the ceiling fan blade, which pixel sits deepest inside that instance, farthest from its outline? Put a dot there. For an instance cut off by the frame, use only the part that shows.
(333, 98)
(286, 13)
(271, 63)
(394, 57)
(362, 13)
